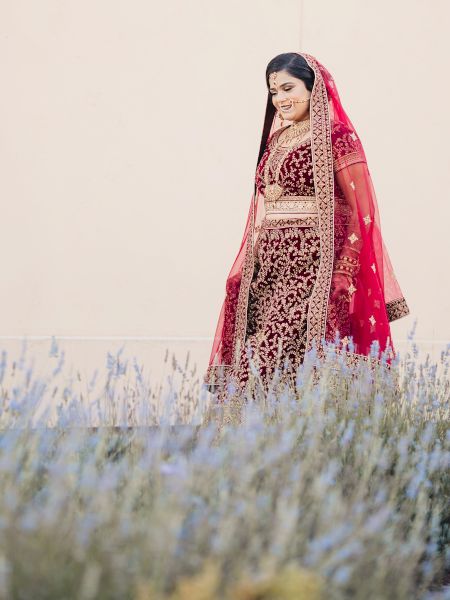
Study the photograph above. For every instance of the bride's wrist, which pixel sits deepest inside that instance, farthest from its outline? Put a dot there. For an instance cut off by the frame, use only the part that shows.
(348, 275)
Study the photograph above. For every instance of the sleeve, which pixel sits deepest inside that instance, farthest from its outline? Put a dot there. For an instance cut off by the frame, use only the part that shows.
(347, 148)
(348, 152)
(353, 182)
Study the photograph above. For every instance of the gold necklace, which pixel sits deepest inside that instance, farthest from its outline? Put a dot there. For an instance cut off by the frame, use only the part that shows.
(296, 130)
(273, 191)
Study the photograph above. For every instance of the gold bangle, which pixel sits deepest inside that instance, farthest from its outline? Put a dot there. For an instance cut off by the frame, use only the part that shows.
(344, 268)
(351, 259)
(347, 263)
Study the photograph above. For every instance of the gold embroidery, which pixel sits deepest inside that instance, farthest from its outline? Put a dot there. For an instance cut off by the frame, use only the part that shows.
(367, 219)
(295, 172)
(347, 160)
(292, 204)
(373, 267)
(273, 191)
(347, 149)
(351, 289)
(322, 159)
(241, 310)
(248, 266)
(352, 185)
(396, 309)
(353, 359)
(353, 238)
(216, 375)
(274, 163)
(290, 222)
(287, 261)
(372, 319)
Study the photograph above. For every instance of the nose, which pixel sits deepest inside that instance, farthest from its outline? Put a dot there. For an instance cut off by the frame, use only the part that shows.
(282, 98)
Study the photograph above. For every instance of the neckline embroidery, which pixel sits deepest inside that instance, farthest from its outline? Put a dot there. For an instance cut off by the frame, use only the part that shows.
(293, 147)
(278, 154)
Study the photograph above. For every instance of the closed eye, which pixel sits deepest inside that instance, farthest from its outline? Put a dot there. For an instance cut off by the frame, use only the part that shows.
(285, 89)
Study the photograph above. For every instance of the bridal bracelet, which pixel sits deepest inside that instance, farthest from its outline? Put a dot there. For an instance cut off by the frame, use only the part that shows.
(347, 266)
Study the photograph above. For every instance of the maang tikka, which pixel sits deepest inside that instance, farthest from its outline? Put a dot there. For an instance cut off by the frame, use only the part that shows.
(273, 80)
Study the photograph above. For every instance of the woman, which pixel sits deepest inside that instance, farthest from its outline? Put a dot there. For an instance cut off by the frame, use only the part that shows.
(312, 266)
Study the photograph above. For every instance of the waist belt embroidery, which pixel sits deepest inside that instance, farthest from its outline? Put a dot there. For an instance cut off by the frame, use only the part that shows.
(292, 204)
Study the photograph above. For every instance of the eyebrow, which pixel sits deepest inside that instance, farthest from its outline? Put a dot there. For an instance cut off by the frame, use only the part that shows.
(281, 84)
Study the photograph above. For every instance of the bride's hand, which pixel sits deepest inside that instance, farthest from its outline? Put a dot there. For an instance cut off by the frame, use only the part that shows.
(339, 286)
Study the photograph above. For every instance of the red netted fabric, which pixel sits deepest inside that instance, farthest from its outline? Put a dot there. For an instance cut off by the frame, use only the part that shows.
(333, 167)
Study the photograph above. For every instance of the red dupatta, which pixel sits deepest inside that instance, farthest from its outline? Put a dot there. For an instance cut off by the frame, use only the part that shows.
(338, 161)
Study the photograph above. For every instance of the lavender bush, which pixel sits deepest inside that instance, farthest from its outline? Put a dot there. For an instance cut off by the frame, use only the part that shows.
(337, 488)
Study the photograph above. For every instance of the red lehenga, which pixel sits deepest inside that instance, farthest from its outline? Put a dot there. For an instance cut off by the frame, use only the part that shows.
(278, 302)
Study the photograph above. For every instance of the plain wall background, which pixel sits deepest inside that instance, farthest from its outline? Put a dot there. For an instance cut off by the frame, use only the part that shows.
(129, 138)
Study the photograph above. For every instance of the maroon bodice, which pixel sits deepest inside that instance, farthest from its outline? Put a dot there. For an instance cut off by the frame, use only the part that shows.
(296, 172)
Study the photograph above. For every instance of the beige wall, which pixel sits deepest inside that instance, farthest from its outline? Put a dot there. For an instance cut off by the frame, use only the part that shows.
(390, 61)
(129, 138)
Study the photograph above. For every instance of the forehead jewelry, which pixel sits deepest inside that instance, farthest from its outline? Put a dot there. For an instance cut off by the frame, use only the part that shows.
(273, 78)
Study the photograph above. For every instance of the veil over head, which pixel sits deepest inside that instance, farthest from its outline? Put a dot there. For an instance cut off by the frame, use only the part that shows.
(377, 299)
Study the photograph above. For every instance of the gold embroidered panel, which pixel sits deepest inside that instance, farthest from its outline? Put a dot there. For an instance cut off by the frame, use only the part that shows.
(347, 160)
(347, 147)
(309, 221)
(292, 204)
(396, 309)
(322, 159)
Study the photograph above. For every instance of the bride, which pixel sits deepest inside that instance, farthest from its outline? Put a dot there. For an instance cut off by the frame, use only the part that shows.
(312, 265)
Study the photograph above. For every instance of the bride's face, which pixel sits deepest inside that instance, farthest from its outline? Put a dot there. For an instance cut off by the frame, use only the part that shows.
(287, 90)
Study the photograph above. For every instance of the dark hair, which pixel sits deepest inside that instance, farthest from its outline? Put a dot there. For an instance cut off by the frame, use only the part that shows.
(296, 66)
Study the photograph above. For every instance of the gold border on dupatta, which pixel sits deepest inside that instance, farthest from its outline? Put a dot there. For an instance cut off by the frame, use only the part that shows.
(244, 288)
(322, 159)
(396, 309)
